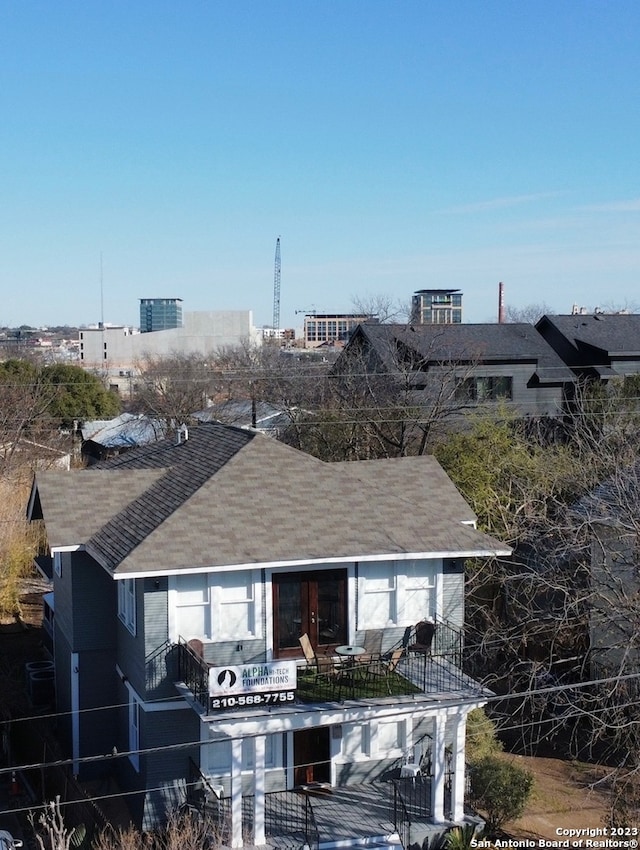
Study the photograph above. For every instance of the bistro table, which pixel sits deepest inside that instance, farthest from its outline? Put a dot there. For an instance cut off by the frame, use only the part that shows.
(350, 653)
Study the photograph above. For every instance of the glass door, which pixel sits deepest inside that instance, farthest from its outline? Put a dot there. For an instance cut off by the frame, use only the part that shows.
(311, 603)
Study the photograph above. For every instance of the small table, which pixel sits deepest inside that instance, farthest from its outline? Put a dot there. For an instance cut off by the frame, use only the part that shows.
(410, 771)
(350, 653)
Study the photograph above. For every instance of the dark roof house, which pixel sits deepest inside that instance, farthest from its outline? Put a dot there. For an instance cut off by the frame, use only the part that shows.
(601, 345)
(484, 363)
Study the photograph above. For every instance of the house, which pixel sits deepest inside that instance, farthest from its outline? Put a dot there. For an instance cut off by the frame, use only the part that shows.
(248, 413)
(607, 522)
(465, 365)
(104, 438)
(185, 573)
(599, 346)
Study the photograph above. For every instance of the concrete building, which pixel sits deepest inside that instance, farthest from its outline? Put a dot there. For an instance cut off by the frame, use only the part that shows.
(160, 314)
(116, 351)
(436, 307)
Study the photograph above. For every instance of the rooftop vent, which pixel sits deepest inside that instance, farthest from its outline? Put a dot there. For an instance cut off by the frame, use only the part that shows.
(182, 435)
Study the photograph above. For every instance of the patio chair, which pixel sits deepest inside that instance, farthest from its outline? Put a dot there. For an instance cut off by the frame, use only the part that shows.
(308, 650)
(372, 642)
(425, 630)
(197, 647)
(384, 669)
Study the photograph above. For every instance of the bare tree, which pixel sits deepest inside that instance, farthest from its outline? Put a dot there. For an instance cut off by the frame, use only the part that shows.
(530, 313)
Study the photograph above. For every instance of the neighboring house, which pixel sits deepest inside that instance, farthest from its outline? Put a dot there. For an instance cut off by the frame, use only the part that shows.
(245, 413)
(33, 455)
(105, 438)
(474, 365)
(610, 531)
(185, 573)
(598, 346)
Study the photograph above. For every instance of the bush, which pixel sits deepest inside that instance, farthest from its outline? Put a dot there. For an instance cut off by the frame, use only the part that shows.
(500, 790)
(481, 737)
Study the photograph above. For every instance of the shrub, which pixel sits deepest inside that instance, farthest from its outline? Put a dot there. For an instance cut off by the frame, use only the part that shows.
(500, 789)
(481, 737)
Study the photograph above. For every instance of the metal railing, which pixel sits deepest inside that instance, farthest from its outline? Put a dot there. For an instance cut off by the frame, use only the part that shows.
(290, 821)
(437, 671)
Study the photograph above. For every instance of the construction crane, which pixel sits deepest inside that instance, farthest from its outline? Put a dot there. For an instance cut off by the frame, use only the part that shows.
(276, 290)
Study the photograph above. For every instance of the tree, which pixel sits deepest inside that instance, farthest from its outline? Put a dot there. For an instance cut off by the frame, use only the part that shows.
(51, 833)
(77, 395)
(500, 789)
(390, 393)
(530, 313)
(173, 388)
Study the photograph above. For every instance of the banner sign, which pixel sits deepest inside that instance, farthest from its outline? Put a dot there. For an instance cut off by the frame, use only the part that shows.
(252, 684)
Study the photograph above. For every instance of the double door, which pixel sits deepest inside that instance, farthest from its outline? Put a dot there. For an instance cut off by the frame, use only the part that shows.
(312, 603)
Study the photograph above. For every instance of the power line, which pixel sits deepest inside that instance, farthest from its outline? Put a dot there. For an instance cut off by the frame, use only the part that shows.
(392, 711)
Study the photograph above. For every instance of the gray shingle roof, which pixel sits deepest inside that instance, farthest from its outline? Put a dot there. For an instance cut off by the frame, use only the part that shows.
(230, 497)
(474, 343)
(615, 334)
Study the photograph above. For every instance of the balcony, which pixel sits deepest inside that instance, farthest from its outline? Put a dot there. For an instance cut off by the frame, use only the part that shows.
(434, 674)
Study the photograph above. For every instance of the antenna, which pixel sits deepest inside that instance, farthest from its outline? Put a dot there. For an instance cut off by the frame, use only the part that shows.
(276, 290)
(101, 295)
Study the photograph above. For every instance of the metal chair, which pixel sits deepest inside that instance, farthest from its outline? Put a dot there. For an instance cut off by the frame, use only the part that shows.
(384, 669)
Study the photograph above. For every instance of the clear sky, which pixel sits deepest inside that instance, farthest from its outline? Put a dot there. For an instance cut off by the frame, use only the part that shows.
(392, 146)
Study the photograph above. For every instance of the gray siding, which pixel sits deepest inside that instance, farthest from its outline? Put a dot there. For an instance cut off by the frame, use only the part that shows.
(86, 603)
(155, 608)
(453, 599)
(166, 770)
(131, 648)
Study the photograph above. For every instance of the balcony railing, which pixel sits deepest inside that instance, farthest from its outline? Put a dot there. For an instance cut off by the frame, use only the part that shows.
(438, 671)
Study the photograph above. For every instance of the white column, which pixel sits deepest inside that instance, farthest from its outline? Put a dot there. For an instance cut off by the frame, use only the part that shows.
(236, 792)
(457, 783)
(439, 763)
(258, 790)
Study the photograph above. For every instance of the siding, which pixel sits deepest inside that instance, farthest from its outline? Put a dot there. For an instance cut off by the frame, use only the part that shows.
(453, 599)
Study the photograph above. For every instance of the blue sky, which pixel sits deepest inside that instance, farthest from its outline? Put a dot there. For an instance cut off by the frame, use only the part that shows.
(391, 145)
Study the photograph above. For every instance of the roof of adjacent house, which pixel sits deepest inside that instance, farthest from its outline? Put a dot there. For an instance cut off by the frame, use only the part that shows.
(226, 496)
(124, 431)
(472, 343)
(613, 333)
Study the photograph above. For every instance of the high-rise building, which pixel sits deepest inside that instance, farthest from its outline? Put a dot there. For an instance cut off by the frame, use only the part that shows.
(436, 307)
(160, 314)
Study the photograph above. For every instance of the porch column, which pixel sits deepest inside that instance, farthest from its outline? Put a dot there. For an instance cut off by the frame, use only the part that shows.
(439, 764)
(236, 792)
(458, 778)
(258, 790)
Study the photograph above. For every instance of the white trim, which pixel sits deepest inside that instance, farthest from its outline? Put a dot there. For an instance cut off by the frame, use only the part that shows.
(343, 559)
(165, 705)
(75, 710)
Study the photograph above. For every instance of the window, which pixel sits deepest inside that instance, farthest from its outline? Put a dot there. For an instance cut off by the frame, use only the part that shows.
(485, 388)
(223, 606)
(193, 606)
(378, 596)
(127, 603)
(236, 605)
(57, 563)
(418, 600)
(391, 737)
(220, 755)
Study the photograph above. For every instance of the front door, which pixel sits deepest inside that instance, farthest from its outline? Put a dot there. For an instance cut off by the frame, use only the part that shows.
(311, 755)
(311, 603)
